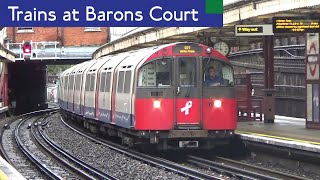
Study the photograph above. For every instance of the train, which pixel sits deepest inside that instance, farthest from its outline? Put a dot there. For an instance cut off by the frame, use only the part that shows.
(172, 96)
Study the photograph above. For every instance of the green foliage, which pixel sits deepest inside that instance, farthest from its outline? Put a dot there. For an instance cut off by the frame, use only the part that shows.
(57, 69)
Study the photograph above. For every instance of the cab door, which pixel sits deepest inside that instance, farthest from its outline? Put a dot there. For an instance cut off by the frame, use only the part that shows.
(187, 98)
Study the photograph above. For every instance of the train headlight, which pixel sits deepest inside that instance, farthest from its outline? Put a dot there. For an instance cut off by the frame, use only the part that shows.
(209, 50)
(156, 104)
(217, 103)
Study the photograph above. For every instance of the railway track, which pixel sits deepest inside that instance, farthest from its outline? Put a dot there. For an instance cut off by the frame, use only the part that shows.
(36, 157)
(158, 162)
(11, 151)
(74, 163)
(240, 170)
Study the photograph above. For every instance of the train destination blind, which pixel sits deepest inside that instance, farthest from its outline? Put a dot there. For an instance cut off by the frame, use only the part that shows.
(187, 49)
(295, 25)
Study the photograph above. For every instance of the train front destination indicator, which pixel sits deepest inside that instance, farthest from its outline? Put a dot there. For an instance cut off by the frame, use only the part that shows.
(295, 25)
(253, 30)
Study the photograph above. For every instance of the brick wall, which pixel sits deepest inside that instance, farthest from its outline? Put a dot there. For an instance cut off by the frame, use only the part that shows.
(68, 36)
(79, 37)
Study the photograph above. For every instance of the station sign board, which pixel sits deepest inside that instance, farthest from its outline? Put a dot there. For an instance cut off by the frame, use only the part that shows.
(295, 25)
(254, 30)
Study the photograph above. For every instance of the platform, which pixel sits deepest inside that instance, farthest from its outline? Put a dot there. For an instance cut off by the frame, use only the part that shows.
(286, 132)
(8, 172)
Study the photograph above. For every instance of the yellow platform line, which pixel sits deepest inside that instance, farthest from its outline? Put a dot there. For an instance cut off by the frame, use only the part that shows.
(3, 176)
(279, 137)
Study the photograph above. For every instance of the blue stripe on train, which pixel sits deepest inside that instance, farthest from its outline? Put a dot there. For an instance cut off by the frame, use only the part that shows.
(125, 120)
(89, 112)
(105, 115)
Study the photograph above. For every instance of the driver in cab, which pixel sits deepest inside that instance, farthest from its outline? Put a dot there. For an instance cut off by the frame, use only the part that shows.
(213, 79)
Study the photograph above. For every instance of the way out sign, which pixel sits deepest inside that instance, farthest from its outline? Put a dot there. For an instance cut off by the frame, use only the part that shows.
(312, 58)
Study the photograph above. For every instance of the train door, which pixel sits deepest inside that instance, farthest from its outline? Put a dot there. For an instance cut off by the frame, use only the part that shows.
(187, 100)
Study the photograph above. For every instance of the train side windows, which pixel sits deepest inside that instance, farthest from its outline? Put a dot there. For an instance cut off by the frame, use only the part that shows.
(102, 82)
(92, 83)
(156, 73)
(120, 82)
(187, 71)
(87, 84)
(127, 83)
(108, 82)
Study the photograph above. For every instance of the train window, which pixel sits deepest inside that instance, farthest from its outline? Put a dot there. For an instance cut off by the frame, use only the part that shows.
(108, 80)
(217, 73)
(66, 83)
(78, 80)
(87, 85)
(127, 83)
(92, 83)
(187, 71)
(120, 82)
(71, 78)
(102, 82)
(156, 73)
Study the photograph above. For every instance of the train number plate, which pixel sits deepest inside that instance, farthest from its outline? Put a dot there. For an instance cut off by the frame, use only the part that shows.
(188, 144)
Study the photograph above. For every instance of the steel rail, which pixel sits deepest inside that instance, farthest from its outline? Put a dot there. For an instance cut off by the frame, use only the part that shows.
(168, 165)
(100, 174)
(30, 156)
(241, 170)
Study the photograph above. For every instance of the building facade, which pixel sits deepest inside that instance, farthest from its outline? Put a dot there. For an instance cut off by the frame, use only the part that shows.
(66, 36)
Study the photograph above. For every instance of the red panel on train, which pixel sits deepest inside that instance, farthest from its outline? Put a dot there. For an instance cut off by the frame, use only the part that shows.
(154, 114)
(219, 118)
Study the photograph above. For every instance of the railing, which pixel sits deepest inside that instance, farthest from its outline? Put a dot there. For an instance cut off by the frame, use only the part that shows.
(51, 50)
(277, 50)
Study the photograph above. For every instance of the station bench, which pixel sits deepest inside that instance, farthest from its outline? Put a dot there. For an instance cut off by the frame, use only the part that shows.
(248, 106)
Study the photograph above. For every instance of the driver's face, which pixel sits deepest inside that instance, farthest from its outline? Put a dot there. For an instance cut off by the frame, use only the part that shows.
(212, 72)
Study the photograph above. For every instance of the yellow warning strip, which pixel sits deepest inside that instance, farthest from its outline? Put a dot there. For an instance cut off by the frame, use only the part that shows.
(279, 137)
(3, 176)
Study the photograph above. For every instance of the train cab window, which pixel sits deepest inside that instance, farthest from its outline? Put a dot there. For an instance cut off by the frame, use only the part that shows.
(217, 73)
(156, 73)
(187, 71)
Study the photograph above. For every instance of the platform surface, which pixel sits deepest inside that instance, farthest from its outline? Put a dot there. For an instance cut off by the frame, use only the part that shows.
(7, 172)
(285, 131)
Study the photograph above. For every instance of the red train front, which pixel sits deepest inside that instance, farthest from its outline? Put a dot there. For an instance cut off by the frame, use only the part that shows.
(185, 93)
(172, 96)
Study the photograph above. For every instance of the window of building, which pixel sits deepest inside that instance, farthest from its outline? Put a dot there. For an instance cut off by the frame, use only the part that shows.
(88, 29)
(24, 29)
(127, 83)
(156, 73)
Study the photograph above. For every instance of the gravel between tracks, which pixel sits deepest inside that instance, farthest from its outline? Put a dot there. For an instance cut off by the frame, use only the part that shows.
(101, 157)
